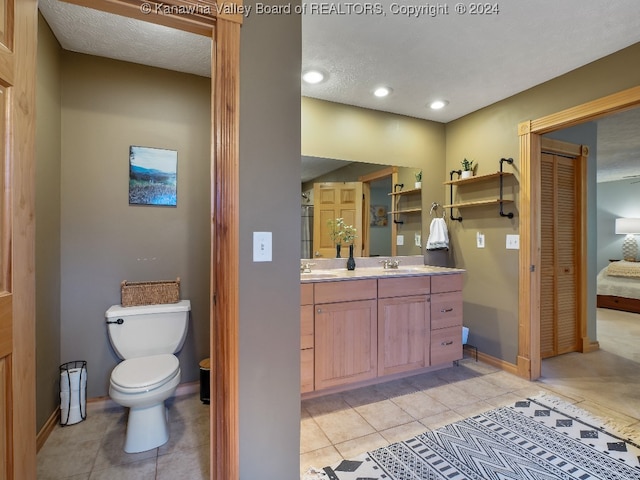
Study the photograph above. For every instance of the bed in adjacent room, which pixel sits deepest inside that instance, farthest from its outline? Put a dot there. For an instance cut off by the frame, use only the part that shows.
(619, 286)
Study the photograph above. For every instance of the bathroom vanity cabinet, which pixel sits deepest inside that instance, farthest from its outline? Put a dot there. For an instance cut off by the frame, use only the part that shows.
(377, 328)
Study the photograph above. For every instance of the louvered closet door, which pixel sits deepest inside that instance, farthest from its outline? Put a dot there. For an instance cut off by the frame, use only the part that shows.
(558, 310)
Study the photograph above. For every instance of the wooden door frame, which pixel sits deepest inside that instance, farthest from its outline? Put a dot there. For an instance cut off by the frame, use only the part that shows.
(224, 30)
(368, 178)
(529, 363)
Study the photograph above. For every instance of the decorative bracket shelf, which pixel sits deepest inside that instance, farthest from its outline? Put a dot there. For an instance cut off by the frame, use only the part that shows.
(396, 211)
(480, 178)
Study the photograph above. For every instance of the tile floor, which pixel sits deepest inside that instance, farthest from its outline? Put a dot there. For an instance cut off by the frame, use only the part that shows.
(344, 425)
(92, 449)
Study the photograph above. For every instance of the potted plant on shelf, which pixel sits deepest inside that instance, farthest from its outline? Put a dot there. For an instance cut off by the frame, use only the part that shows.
(467, 168)
(418, 183)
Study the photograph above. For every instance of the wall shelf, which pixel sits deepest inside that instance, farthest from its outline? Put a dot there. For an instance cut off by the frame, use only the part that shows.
(477, 179)
(396, 196)
(479, 203)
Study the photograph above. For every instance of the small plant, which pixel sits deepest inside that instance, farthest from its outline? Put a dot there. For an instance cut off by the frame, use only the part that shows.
(339, 232)
(467, 165)
(419, 176)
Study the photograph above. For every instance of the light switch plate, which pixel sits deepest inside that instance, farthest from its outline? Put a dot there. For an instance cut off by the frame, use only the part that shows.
(480, 240)
(513, 242)
(262, 246)
(400, 240)
(418, 240)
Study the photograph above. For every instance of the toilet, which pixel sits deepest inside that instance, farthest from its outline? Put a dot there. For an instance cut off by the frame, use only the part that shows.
(146, 339)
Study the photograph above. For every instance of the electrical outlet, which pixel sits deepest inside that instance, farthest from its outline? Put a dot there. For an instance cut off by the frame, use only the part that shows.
(261, 246)
(513, 242)
(418, 240)
(400, 240)
(480, 240)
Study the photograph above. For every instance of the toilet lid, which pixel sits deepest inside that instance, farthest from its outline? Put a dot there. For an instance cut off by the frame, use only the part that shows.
(145, 373)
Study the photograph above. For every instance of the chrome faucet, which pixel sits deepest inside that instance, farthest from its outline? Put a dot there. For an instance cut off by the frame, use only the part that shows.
(390, 263)
(305, 267)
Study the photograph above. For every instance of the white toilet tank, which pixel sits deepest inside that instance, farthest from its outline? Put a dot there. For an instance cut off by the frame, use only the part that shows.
(149, 329)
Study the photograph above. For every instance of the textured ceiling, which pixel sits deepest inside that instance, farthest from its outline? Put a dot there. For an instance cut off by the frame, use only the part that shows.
(83, 30)
(470, 60)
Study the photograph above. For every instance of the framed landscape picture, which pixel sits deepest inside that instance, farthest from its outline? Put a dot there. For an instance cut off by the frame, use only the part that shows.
(152, 176)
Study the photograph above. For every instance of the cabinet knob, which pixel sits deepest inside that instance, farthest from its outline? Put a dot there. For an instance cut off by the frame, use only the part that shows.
(445, 310)
(319, 310)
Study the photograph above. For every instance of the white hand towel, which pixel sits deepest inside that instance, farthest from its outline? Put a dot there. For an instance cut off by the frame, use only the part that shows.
(438, 235)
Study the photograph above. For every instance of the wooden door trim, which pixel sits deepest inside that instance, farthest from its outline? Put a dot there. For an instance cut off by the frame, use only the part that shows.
(225, 256)
(195, 17)
(529, 363)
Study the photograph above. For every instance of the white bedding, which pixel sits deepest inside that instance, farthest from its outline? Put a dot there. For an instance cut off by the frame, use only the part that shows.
(618, 286)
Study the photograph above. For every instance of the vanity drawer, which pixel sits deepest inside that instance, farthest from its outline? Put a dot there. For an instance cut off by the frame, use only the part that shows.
(446, 283)
(404, 286)
(306, 294)
(446, 310)
(446, 345)
(345, 291)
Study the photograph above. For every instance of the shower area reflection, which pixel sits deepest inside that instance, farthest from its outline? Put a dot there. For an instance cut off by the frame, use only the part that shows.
(306, 212)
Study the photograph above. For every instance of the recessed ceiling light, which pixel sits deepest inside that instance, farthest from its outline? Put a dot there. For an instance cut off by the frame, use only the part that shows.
(438, 104)
(313, 76)
(382, 91)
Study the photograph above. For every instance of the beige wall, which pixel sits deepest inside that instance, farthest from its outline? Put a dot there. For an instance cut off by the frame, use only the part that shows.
(344, 132)
(107, 106)
(48, 146)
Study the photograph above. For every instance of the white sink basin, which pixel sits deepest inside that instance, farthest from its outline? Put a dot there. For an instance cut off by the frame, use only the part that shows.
(408, 268)
(314, 275)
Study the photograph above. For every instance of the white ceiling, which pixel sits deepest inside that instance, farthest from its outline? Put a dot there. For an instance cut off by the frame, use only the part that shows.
(469, 60)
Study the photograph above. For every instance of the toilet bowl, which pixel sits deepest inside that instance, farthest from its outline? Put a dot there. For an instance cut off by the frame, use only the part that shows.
(146, 338)
(143, 384)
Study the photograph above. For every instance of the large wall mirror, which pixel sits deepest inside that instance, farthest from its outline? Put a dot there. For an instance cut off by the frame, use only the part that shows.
(378, 226)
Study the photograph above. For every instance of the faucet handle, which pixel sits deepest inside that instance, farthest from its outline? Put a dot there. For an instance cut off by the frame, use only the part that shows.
(305, 267)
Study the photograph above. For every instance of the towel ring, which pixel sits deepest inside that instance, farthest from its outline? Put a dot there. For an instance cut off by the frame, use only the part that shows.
(434, 206)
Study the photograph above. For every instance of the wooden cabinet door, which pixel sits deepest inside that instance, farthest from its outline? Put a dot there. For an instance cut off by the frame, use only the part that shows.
(403, 334)
(345, 343)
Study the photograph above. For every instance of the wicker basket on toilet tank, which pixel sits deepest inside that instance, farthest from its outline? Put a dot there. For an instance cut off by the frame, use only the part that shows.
(150, 293)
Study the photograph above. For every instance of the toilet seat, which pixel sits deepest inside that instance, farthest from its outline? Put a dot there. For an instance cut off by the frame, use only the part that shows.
(142, 374)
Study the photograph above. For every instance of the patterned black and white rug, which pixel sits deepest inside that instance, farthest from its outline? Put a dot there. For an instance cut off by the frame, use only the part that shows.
(538, 438)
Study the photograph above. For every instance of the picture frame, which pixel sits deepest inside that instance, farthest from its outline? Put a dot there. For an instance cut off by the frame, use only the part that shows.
(378, 216)
(153, 176)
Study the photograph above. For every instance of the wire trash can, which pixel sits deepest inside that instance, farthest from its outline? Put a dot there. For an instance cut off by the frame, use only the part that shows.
(73, 392)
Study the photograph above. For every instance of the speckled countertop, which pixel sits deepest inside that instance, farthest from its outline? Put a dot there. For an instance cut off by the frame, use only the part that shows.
(335, 269)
